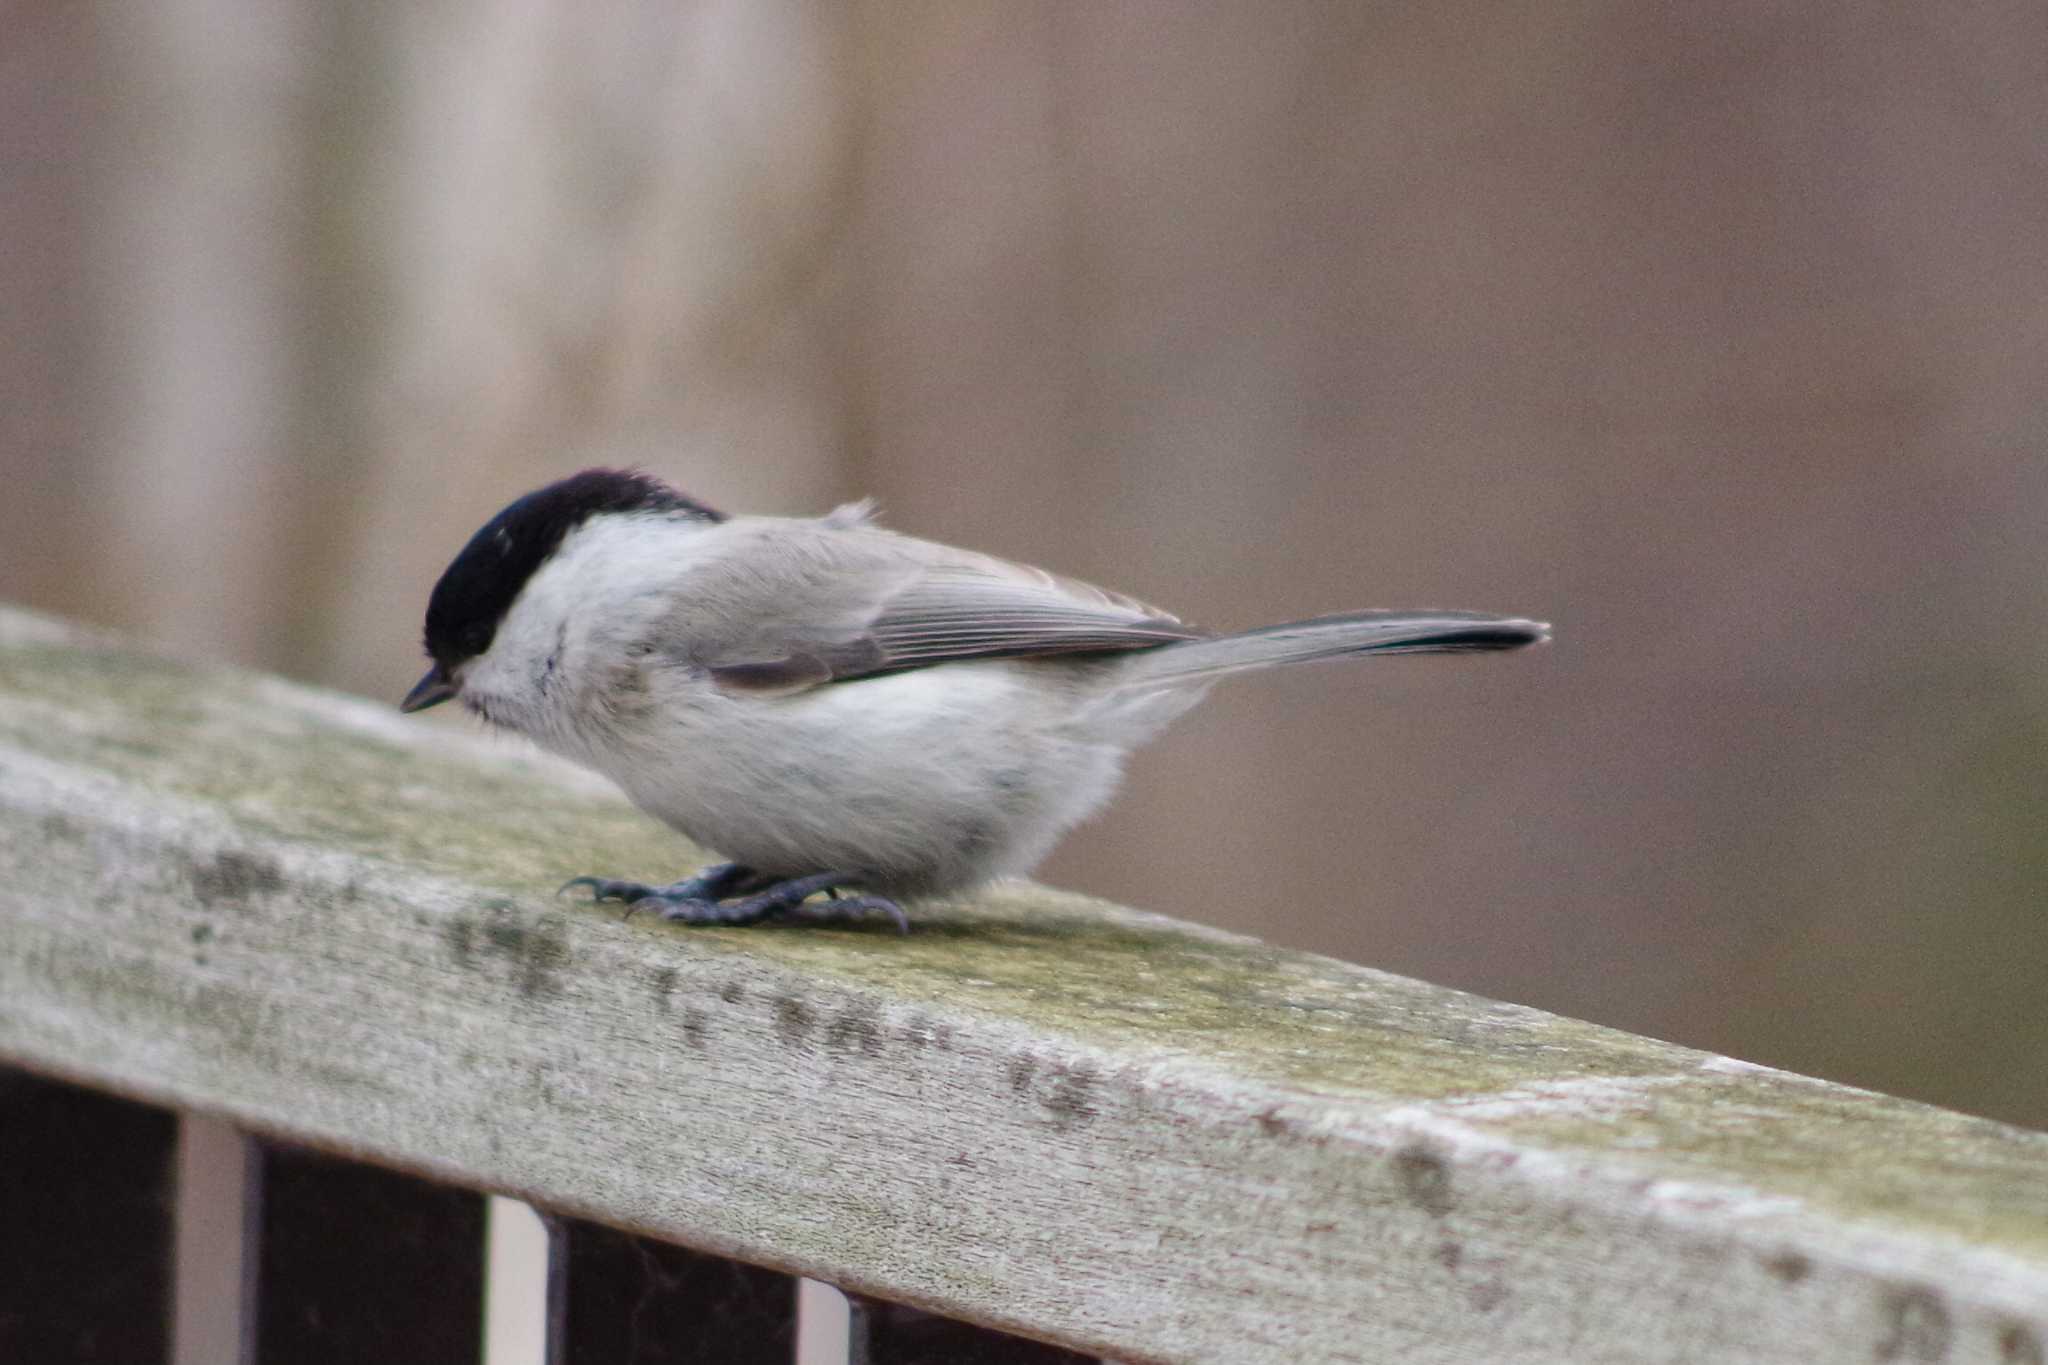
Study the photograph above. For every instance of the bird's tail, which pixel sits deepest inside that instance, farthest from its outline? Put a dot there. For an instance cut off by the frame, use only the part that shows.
(1329, 637)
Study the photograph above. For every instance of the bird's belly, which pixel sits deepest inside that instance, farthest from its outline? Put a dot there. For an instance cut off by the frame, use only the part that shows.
(921, 783)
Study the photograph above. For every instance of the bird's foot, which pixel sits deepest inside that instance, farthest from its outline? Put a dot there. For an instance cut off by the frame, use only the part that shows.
(733, 895)
(714, 883)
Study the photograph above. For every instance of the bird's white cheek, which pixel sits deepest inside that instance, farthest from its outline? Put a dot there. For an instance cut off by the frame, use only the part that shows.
(480, 703)
(486, 693)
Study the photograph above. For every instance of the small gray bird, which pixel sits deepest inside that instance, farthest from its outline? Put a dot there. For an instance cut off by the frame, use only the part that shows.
(832, 706)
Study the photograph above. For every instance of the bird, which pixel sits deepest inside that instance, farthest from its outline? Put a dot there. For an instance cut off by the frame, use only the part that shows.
(853, 718)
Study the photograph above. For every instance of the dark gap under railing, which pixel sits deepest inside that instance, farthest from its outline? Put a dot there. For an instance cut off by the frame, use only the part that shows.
(356, 1263)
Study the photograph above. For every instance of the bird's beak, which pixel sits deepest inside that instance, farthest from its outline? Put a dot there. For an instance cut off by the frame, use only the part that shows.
(431, 690)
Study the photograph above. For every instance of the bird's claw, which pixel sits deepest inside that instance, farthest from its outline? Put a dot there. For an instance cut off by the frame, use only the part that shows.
(850, 908)
(609, 889)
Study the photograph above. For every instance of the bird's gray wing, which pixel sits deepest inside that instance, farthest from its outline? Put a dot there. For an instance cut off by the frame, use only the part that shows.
(843, 600)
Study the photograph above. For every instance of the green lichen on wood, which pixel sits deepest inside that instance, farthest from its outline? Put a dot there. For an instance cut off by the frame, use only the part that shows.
(321, 772)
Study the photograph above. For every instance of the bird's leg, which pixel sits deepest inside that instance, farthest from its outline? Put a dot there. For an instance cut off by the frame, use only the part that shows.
(710, 885)
(789, 899)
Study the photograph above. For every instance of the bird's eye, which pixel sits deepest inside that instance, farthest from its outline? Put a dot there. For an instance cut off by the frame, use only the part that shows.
(476, 639)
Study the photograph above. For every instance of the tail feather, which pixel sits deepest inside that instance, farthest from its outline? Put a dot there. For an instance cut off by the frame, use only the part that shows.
(1328, 637)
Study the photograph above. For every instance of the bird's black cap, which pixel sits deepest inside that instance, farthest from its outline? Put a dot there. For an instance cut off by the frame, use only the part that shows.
(481, 583)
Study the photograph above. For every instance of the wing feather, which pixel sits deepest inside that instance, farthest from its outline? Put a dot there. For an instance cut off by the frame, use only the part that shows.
(842, 600)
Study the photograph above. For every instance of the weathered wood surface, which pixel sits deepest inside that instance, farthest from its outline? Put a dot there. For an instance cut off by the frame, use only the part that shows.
(1104, 1128)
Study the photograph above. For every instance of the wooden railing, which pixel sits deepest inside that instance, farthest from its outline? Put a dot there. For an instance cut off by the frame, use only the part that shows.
(299, 916)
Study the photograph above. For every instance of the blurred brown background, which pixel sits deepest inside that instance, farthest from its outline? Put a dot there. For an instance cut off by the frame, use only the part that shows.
(1714, 333)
